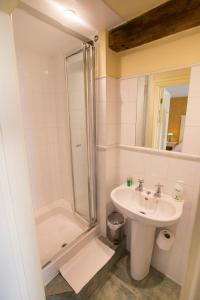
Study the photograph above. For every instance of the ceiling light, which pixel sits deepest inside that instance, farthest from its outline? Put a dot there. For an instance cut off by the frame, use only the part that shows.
(69, 13)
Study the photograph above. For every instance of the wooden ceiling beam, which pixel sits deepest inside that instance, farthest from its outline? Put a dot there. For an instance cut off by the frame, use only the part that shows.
(167, 19)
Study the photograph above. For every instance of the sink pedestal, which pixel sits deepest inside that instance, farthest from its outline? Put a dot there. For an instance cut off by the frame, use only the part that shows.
(142, 242)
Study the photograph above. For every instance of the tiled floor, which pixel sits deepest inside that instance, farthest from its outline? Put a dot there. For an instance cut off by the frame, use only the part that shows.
(120, 286)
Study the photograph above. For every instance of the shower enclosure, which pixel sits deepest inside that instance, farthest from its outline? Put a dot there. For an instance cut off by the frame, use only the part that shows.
(58, 106)
(80, 84)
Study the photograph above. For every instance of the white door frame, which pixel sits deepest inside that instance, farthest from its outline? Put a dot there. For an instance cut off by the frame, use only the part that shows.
(21, 277)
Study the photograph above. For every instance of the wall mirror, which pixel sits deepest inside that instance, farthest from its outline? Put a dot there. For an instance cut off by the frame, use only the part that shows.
(166, 116)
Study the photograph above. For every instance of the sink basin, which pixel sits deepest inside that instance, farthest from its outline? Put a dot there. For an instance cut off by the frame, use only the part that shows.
(144, 208)
(146, 212)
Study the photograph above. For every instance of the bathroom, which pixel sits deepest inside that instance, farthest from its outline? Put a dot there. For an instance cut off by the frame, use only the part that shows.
(89, 118)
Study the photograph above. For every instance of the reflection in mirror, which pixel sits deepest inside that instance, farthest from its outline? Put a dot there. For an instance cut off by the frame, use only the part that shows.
(163, 118)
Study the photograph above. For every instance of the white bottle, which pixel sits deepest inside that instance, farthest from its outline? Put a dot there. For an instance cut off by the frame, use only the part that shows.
(178, 190)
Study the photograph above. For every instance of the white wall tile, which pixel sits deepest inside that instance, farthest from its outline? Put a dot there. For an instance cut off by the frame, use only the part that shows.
(118, 165)
(101, 112)
(43, 96)
(194, 88)
(193, 108)
(128, 112)
(140, 112)
(128, 97)
(127, 136)
(128, 89)
(107, 111)
(112, 112)
(112, 91)
(101, 190)
(191, 140)
(101, 86)
(158, 169)
(111, 134)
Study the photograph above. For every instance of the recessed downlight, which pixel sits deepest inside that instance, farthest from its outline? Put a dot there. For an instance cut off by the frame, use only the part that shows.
(69, 13)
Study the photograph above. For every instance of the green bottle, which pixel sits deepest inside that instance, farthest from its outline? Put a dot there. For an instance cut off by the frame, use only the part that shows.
(129, 181)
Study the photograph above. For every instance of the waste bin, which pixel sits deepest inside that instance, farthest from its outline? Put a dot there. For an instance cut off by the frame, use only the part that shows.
(115, 223)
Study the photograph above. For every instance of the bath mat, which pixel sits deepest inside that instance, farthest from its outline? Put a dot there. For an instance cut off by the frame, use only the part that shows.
(86, 263)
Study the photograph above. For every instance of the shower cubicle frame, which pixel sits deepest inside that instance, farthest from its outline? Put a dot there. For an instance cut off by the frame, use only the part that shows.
(88, 51)
(89, 81)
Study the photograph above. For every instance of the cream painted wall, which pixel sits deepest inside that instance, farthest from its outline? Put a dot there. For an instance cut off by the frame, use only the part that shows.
(101, 48)
(8, 6)
(20, 277)
(107, 61)
(113, 64)
(178, 50)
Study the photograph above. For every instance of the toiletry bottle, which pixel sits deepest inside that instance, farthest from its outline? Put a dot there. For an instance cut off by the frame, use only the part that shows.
(129, 181)
(178, 190)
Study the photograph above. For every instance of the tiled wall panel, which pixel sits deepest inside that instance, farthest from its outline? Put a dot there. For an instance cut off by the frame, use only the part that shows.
(43, 97)
(156, 169)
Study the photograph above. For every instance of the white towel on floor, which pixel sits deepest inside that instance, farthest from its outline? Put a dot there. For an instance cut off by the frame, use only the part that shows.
(86, 263)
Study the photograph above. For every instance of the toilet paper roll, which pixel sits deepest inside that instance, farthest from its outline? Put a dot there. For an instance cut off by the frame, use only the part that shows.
(165, 240)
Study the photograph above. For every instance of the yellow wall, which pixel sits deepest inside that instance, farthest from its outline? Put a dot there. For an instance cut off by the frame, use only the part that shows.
(101, 55)
(113, 64)
(175, 51)
(179, 50)
(173, 77)
(108, 61)
(8, 6)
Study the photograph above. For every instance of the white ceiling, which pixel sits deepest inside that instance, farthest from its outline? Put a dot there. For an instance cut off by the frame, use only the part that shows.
(95, 14)
(129, 9)
(38, 36)
(178, 90)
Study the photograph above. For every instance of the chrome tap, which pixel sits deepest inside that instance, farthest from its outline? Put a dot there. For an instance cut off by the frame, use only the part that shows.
(140, 185)
(158, 190)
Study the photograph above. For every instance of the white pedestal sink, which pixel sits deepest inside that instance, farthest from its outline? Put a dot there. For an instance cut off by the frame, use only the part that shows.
(146, 213)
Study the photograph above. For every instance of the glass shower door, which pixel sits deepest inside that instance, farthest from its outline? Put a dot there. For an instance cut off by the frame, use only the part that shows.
(79, 67)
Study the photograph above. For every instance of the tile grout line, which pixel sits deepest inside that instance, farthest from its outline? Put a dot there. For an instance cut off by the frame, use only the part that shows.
(132, 290)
